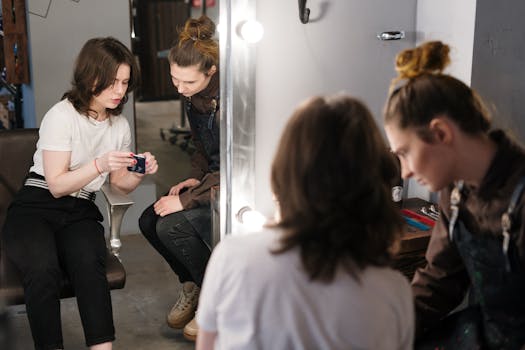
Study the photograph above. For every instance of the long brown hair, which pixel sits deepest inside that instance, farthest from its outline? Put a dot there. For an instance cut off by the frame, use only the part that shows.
(196, 45)
(428, 92)
(331, 176)
(95, 70)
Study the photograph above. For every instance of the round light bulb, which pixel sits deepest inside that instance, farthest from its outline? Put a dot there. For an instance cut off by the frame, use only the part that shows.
(251, 31)
(253, 220)
(219, 28)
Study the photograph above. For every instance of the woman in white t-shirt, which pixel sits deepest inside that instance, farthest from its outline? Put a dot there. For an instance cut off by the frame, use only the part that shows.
(319, 278)
(53, 222)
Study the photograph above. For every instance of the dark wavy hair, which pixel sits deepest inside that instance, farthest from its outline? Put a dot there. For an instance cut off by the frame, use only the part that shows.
(196, 45)
(332, 176)
(95, 70)
(427, 92)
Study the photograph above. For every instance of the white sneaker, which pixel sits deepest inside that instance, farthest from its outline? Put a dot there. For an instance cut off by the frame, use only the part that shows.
(190, 330)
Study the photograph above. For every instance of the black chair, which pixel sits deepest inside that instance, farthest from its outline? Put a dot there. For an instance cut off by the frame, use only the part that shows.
(181, 134)
(16, 156)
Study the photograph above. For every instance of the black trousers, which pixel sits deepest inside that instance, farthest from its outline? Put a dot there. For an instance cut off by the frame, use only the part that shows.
(46, 237)
(182, 238)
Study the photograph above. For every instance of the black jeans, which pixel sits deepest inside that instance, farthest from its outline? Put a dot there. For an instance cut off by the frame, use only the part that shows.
(47, 237)
(182, 238)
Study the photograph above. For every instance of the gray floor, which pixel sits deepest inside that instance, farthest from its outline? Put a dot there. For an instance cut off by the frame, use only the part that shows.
(174, 164)
(151, 287)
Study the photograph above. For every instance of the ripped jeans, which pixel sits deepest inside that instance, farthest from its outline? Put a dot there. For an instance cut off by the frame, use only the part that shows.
(182, 238)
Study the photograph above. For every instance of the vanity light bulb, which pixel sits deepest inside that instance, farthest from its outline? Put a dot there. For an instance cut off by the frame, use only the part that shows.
(219, 28)
(251, 31)
(253, 220)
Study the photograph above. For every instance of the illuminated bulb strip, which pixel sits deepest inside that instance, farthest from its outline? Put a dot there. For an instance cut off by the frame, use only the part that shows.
(250, 31)
(251, 219)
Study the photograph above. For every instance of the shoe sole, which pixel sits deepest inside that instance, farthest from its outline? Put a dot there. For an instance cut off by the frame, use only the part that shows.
(181, 324)
(190, 337)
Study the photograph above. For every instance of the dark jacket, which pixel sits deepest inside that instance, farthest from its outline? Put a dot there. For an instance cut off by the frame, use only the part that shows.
(441, 285)
(205, 161)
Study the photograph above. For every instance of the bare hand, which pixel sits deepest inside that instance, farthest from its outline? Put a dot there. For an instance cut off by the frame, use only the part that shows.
(151, 163)
(114, 160)
(175, 190)
(167, 205)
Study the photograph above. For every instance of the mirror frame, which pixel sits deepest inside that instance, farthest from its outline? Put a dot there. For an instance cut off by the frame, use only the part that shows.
(237, 89)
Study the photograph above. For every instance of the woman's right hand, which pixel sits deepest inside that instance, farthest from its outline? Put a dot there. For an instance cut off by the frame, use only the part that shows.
(114, 160)
(175, 190)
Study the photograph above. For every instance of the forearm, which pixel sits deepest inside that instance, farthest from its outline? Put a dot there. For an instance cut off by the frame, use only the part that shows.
(125, 180)
(441, 285)
(436, 296)
(200, 195)
(65, 182)
(205, 340)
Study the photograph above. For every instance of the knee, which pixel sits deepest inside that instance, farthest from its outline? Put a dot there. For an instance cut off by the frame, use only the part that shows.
(42, 277)
(174, 225)
(86, 267)
(148, 221)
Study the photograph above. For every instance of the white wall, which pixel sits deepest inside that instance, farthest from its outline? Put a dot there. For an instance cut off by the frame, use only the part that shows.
(452, 22)
(337, 51)
(56, 40)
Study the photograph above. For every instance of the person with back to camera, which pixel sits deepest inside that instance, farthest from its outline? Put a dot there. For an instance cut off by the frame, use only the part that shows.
(441, 132)
(178, 225)
(53, 221)
(319, 277)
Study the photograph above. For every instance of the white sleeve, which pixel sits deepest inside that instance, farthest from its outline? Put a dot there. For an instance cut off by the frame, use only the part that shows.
(126, 139)
(212, 289)
(407, 321)
(55, 131)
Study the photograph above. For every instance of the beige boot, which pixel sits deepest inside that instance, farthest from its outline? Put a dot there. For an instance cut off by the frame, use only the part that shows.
(190, 330)
(184, 309)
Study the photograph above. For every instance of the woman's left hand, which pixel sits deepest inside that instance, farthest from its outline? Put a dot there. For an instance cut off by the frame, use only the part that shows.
(167, 205)
(151, 163)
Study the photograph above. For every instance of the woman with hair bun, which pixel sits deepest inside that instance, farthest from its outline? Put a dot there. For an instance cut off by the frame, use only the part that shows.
(441, 132)
(320, 277)
(178, 225)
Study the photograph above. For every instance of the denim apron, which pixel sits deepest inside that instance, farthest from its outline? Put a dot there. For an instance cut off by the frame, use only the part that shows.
(206, 130)
(496, 312)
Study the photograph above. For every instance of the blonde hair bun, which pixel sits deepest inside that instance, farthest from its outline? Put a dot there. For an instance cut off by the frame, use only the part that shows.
(431, 57)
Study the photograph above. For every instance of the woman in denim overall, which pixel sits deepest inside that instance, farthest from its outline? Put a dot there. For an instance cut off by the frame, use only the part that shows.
(178, 225)
(441, 132)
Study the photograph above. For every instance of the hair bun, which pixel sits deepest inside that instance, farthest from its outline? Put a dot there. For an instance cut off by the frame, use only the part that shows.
(202, 28)
(430, 57)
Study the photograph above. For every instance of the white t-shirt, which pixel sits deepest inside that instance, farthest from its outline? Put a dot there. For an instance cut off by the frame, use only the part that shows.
(256, 300)
(64, 129)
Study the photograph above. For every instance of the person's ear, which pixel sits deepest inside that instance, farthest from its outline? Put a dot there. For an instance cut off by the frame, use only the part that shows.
(211, 71)
(441, 130)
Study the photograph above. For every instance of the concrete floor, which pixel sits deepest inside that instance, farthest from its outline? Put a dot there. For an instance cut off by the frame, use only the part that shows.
(174, 163)
(151, 287)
